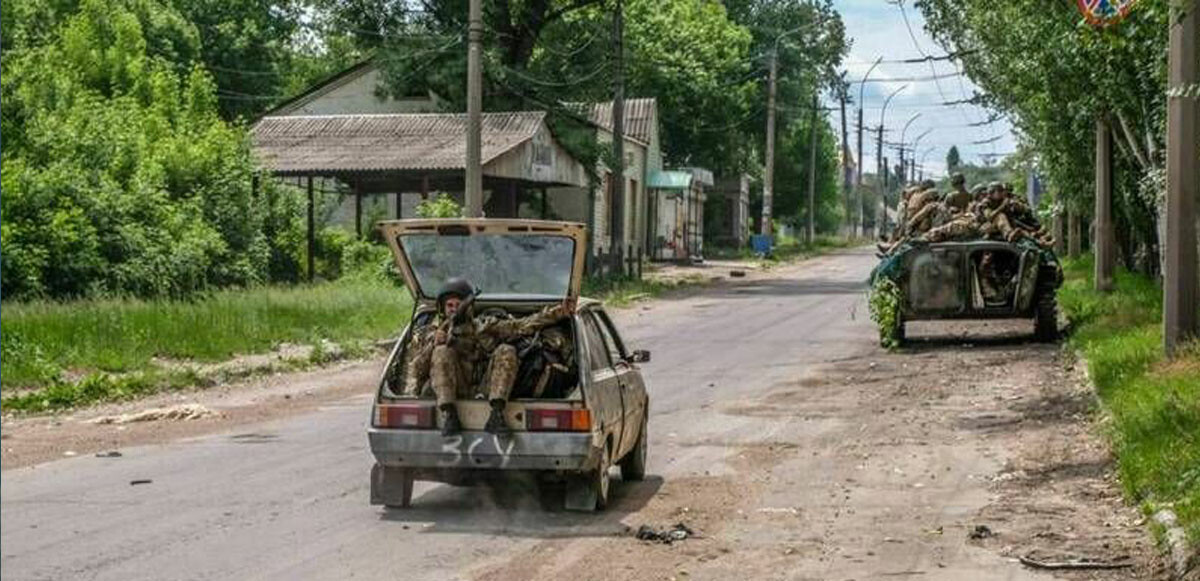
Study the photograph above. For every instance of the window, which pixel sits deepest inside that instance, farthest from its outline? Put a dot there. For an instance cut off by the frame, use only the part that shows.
(597, 349)
(616, 351)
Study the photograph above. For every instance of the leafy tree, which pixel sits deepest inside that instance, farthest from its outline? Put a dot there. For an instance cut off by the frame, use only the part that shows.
(1055, 76)
(118, 174)
(953, 159)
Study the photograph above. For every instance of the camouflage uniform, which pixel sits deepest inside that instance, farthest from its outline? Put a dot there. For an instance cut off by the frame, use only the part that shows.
(962, 226)
(478, 358)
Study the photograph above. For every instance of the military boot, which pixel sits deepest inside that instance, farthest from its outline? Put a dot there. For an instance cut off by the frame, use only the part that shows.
(495, 423)
(450, 424)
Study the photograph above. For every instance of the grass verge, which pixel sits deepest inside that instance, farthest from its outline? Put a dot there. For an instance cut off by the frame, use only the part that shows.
(1154, 404)
(63, 354)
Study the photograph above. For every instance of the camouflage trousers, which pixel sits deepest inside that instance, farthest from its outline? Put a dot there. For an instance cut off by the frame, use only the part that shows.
(956, 229)
(455, 376)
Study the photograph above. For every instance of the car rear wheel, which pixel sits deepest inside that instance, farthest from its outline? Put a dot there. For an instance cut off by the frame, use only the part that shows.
(633, 465)
(588, 491)
(391, 487)
(1045, 318)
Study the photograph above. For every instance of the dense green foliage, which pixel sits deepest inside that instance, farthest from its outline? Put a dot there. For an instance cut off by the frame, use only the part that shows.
(884, 302)
(704, 61)
(1155, 406)
(119, 175)
(1054, 76)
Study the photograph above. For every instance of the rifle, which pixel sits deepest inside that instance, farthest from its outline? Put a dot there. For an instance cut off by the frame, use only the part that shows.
(460, 316)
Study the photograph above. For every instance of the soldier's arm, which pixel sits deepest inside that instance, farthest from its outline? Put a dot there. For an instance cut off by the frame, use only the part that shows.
(515, 328)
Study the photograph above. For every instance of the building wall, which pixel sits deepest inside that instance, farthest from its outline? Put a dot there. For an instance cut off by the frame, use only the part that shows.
(637, 158)
(358, 93)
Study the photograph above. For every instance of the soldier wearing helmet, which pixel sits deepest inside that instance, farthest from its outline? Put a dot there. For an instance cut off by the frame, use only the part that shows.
(464, 356)
(959, 198)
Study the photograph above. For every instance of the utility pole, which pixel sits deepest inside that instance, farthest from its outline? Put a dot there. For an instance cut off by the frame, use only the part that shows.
(882, 180)
(812, 171)
(860, 225)
(1104, 246)
(1183, 182)
(474, 179)
(769, 174)
(845, 160)
(617, 220)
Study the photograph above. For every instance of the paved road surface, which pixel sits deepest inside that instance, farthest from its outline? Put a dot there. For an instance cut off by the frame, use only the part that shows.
(765, 435)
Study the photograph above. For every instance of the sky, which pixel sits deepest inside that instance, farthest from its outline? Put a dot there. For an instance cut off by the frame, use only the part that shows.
(877, 29)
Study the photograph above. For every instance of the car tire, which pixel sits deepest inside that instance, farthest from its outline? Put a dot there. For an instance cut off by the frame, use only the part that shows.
(1045, 318)
(392, 487)
(588, 491)
(633, 465)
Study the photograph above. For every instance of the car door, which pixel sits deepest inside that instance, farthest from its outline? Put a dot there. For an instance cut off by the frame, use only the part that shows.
(604, 385)
(633, 389)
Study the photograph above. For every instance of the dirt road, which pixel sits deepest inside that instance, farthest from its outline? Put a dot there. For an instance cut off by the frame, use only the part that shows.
(780, 433)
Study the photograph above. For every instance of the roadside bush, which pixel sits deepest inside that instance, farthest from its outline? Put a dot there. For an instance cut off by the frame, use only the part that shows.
(442, 206)
(119, 176)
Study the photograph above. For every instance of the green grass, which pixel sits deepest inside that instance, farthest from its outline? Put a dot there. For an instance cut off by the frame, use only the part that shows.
(1154, 404)
(71, 345)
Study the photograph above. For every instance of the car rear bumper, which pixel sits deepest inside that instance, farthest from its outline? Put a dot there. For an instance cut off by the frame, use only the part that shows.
(428, 449)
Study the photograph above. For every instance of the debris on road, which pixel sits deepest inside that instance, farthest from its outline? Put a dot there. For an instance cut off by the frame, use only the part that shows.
(190, 411)
(1073, 564)
(981, 532)
(140, 481)
(737, 273)
(679, 532)
(108, 454)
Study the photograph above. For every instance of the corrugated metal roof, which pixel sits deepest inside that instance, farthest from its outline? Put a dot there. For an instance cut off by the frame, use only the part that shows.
(332, 143)
(640, 116)
(669, 180)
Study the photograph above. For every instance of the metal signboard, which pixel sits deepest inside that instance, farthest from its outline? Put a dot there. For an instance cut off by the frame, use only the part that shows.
(1105, 12)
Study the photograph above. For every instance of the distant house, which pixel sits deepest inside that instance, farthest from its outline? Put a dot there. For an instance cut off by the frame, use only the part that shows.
(349, 118)
(643, 157)
(728, 208)
(358, 89)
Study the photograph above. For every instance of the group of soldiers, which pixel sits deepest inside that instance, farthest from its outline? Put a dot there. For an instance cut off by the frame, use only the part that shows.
(984, 213)
(464, 355)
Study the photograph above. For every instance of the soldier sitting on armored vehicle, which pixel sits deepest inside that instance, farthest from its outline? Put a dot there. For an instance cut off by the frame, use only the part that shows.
(465, 356)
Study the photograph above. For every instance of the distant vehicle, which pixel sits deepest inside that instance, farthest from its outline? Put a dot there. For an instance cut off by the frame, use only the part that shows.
(974, 280)
(592, 416)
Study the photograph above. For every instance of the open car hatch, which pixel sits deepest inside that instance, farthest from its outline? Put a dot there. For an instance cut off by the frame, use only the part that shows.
(507, 260)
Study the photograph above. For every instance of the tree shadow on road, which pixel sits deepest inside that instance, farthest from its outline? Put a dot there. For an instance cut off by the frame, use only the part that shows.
(520, 506)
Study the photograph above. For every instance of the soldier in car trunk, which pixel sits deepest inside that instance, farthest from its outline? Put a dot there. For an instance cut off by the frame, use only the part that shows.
(466, 356)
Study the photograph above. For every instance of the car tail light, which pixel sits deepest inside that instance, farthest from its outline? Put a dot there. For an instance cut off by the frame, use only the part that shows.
(419, 416)
(557, 420)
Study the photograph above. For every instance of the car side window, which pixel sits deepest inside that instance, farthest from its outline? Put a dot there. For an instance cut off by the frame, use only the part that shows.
(597, 350)
(616, 350)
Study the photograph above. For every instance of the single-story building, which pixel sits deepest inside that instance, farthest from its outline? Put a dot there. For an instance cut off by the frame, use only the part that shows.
(677, 212)
(728, 212)
(354, 100)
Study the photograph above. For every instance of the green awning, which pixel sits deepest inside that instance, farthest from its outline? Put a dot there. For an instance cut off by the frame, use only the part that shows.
(670, 180)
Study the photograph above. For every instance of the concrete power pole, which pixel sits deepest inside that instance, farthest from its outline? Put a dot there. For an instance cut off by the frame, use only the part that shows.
(769, 173)
(858, 169)
(617, 220)
(1104, 245)
(845, 160)
(1183, 183)
(811, 233)
(474, 179)
(882, 179)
